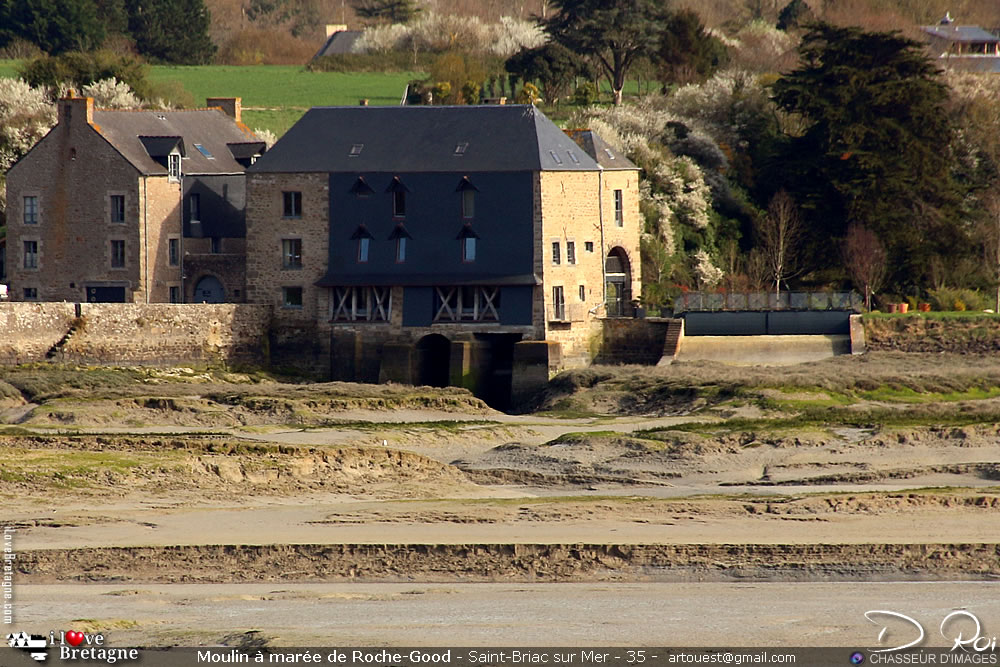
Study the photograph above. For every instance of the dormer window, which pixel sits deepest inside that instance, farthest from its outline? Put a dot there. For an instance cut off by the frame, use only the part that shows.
(400, 236)
(468, 204)
(174, 167)
(468, 192)
(364, 239)
(398, 191)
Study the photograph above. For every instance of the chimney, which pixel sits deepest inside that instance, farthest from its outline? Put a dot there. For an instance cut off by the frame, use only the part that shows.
(232, 106)
(80, 107)
(332, 28)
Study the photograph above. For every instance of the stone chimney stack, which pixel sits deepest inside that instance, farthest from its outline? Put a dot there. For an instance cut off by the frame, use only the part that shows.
(82, 108)
(232, 106)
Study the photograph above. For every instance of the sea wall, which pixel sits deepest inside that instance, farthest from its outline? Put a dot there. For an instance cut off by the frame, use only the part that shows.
(128, 333)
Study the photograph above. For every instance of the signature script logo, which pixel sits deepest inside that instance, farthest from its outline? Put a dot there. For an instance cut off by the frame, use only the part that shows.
(958, 621)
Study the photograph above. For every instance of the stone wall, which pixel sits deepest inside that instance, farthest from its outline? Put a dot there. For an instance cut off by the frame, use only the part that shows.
(156, 334)
(29, 330)
(971, 334)
(628, 341)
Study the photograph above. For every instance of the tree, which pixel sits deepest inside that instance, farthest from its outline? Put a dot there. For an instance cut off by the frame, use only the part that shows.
(864, 258)
(553, 66)
(989, 231)
(796, 13)
(616, 32)
(388, 11)
(173, 31)
(55, 26)
(874, 145)
(779, 234)
(688, 54)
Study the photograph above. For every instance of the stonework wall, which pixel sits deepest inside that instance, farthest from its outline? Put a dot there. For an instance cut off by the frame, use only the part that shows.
(163, 213)
(573, 205)
(29, 330)
(73, 172)
(632, 341)
(267, 227)
(109, 333)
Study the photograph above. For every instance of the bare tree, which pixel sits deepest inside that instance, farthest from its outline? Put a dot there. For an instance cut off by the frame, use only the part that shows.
(864, 257)
(779, 237)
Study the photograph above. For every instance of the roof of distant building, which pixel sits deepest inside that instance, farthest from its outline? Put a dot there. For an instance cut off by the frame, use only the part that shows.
(602, 152)
(425, 139)
(340, 42)
(961, 33)
(204, 137)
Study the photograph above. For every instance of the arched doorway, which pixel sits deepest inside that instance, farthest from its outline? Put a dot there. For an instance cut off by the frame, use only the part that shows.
(209, 290)
(618, 283)
(433, 357)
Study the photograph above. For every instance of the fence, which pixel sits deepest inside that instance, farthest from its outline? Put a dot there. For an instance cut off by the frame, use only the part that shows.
(752, 301)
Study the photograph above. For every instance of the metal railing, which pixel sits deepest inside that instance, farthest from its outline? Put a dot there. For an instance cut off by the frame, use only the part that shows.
(721, 301)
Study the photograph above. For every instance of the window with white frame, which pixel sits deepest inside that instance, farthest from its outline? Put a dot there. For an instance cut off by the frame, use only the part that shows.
(555, 252)
(558, 303)
(361, 304)
(31, 254)
(469, 249)
(570, 252)
(291, 253)
(174, 167)
(619, 209)
(468, 303)
(31, 210)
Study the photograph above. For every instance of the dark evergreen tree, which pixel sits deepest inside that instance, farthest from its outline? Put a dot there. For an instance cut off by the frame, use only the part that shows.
(172, 31)
(687, 53)
(875, 149)
(55, 26)
(795, 14)
(113, 15)
(553, 66)
(616, 32)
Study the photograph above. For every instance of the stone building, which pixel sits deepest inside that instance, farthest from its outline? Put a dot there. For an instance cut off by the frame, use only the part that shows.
(132, 206)
(442, 245)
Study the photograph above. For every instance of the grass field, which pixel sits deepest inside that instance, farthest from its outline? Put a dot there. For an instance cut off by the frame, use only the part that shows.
(275, 96)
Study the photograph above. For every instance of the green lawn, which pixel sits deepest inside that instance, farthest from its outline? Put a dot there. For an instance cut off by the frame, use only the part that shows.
(275, 96)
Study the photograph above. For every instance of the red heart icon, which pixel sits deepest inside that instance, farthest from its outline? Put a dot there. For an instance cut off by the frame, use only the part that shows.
(74, 638)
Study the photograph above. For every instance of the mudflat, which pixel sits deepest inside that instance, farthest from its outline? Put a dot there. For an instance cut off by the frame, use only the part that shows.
(871, 476)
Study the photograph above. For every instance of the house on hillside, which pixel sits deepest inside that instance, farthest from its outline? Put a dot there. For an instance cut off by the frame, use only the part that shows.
(430, 244)
(132, 206)
(965, 47)
(339, 41)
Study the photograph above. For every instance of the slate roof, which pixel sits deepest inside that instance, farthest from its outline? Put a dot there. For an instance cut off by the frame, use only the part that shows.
(602, 152)
(494, 138)
(140, 135)
(961, 33)
(339, 42)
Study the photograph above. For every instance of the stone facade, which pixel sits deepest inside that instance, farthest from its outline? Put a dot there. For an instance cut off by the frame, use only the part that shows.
(147, 334)
(584, 227)
(74, 234)
(94, 215)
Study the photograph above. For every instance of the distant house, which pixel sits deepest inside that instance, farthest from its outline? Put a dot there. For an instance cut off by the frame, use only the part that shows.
(339, 40)
(964, 46)
(132, 206)
(424, 244)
